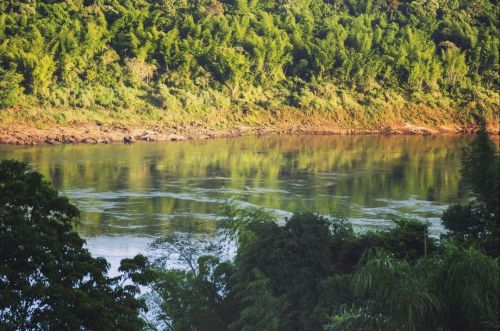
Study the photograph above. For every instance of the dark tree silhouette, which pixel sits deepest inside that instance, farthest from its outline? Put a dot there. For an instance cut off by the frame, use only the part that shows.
(48, 280)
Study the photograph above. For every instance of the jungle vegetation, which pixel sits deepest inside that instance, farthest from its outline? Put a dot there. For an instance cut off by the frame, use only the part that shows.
(356, 62)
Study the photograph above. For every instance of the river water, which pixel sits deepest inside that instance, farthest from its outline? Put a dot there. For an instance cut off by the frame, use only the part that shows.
(130, 194)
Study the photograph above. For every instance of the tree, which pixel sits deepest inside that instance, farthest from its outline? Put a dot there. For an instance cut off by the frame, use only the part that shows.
(48, 280)
(10, 89)
(139, 71)
(465, 223)
(192, 300)
(260, 309)
(87, 53)
(481, 171)
(316, 273)
(455, 68)
(294, 258)
(478, 223)
(454, 289)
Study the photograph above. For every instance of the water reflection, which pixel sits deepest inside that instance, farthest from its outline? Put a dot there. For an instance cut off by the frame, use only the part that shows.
(149, 188)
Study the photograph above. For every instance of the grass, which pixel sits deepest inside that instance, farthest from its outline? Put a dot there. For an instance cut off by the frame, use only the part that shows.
(321, 105)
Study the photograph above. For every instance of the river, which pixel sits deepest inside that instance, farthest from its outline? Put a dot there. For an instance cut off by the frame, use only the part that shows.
(130, 194)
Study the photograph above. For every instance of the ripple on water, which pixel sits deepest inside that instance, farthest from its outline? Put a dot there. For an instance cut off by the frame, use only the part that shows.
(149, 189)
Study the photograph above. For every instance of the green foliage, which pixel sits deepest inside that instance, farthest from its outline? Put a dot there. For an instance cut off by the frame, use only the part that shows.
(465, 222)
(395, 290)
(479, 222)
(454, 66)
(423, 50)
(408, 240)
(455, 289)
(293, 258)
(192, 300)
(48, 280)
(290, 277)
(314, 273)
(261, 310)
(481, 171)
(9, 88)
(470, 283)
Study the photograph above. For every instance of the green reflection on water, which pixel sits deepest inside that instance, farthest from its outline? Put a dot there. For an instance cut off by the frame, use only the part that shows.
(149, 188)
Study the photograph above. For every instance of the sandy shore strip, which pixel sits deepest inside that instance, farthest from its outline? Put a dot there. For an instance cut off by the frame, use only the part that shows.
(24, 134)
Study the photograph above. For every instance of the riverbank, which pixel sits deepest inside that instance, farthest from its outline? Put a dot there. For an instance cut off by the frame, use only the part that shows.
(33, 125)
(92, 133)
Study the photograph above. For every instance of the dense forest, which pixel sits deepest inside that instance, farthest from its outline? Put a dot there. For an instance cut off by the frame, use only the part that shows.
(355, 61)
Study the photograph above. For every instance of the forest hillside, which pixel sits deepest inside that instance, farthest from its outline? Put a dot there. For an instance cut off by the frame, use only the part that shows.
(349, 63)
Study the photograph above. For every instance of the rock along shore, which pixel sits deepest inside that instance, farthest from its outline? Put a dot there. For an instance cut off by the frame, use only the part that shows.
(24, 134)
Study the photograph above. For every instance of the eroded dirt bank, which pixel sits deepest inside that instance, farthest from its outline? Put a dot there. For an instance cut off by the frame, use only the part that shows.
(23, 134)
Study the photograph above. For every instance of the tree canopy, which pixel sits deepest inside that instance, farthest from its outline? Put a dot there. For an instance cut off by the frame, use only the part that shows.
(48, 279)
(478, 223)
(316, 273)
(250, 54)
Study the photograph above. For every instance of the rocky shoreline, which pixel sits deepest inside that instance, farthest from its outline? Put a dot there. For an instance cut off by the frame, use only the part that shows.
(23, 134)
